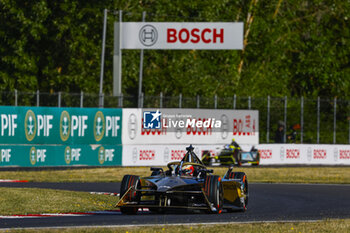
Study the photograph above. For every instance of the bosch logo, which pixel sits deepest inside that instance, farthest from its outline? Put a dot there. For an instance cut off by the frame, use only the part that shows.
(309, 153)
(177, 154)
(224, 126)
(335, 153)
(282, 153)
(195, 35)
(265, 153)
(320, 154)
(148, 35)
(292, 154)
(134, 155)
(147, 154)
(166, 155)
(344, 154)
(132, 126)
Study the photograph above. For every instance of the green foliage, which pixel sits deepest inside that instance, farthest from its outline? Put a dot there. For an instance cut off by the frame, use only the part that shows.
(293, 48)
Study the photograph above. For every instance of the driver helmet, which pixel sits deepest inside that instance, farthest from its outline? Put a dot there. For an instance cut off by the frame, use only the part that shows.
(189, 169)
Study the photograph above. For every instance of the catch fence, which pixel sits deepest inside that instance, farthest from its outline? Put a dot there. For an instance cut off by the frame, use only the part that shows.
(314, 121)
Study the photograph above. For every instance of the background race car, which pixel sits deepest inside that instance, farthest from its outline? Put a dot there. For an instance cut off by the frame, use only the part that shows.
(231, 156)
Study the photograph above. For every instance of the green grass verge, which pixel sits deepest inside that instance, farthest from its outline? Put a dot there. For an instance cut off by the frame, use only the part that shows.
(34, 201)
(295, 227)
(330, 175)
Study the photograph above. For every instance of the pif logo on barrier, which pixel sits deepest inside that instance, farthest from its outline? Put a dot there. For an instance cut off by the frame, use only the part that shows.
(30, 125)
(152, 120)
(71, 154)
(65, 126)
(99, 126)
(5, 155)
(37, 155)
(105, 155)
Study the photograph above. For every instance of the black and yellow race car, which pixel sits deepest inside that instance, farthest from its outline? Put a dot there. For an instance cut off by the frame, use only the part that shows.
(231, 156)
(186, 185)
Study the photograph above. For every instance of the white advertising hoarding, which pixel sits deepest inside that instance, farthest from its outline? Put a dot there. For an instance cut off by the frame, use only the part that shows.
(170, 35)
(242, 125)
(270, 154)
(158, 155)
(306, 154)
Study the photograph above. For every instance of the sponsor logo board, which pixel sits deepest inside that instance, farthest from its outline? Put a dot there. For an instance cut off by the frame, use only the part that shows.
(174, 35)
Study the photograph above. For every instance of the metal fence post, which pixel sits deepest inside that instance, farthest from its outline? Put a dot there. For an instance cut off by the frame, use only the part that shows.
(249, 102)
(268, 120)
(349, 119)
(141, 64)
(318, 119)
(101, 100)
(215, 101)
(234, 101)
(140, 96)
(16, 97)
(198, 101)
(81, 99)
(301, 119)
(335, 122)
(141, 101)
(161, 100)
(37, 98)
(285, 119)
(121, 100)
(180, 100)
(59, 99)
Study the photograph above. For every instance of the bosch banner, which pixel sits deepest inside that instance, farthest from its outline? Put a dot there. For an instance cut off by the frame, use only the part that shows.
(309, 154)
(158, 155)
(212, 36)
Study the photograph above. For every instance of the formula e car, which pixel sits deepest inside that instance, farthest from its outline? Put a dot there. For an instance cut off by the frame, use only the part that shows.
(186, 185)
(231, 156)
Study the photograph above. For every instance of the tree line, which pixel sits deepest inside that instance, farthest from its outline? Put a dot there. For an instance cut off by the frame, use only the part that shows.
(292, 48)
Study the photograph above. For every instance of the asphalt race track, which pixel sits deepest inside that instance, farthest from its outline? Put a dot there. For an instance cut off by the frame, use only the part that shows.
(267, 202)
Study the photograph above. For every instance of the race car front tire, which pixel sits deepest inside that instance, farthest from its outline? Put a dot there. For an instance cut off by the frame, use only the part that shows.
(127, 182)
(214, 191)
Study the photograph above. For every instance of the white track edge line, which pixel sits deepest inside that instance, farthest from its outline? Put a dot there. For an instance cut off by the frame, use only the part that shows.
(169, 224)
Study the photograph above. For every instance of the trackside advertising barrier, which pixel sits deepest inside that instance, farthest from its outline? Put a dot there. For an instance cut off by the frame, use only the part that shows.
(49, 136)
(45, 136)
(158, 155)
(308, 154)
(157, 136)
(270, 154)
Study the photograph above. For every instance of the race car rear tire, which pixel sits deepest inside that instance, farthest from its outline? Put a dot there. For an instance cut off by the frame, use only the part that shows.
(215, 193)
(244, 186)
(127, 182)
